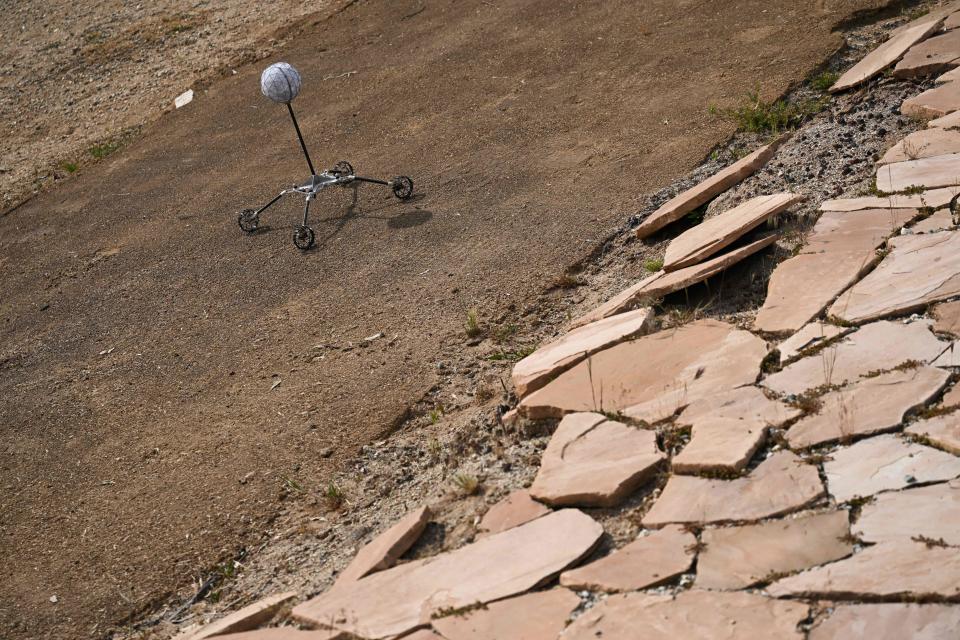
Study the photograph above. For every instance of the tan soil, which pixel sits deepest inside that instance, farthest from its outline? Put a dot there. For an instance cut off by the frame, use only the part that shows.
(141, 335)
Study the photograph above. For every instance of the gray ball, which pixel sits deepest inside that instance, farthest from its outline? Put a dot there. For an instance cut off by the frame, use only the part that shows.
(280, 82)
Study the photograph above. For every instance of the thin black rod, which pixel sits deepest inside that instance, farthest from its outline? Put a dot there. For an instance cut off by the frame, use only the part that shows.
(373, 180)
(264, 207)
(303, 145)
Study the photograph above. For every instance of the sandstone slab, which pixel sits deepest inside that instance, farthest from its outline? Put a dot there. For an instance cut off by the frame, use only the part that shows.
(950, 356)
(889, 621)
(383, 551)
(595, 462)
(810, 336)
(884, 463)
(545, 363)
(855, 231)
(947, 318)
(710, 236)
(951, 398)
(648, 561)
(738, 557)
(932, 512)
(868, 406)
(938, 221)
(684, 203)
(933, 56)
(654, 376)
(932, 103)
(533, 616)
(877, 346)
(292, 633)
(245, 619)
(942, 431)
(780, 484)
(516, 509)
(663, 283)
(395, 601)
(919, 270)
(933, 198)
(727, 429)
(703, 615)
(890, 569)
(925, 143)
(946, 122)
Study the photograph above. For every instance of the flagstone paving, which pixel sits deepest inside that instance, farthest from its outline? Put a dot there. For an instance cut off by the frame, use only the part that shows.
(947, 318)
(932, 103)
(943, 431)
(889, 621)
(245, 619)
(810, 336)
(384, 550)
(592, 461)
(662, 283)
(545, 363)
(919, 270)
(710, 236)
(728, 428)
(398, 600)
(932, 56)
(868, 406)
(947, 121)
(888, 52)
(934, 198)
(535, 616)
(884, 463)
(704, 615)
(939, 221)
(685, 202)
(652, 377)
(738, 557)
(925, 143)
(780, 484)
(878, 346)
(899, 568)
(648, 561)
(931, 512)
(937, 171)
(514, 510)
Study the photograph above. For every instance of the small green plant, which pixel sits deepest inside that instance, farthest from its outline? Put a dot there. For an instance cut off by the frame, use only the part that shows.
(503, 333)
(436, 413)
(653, 265)
(103, 149)
(697, 215)
(434, 448)
(511, 356)
(466, 484)
(333, 497)
(70, 167)
(823, 81)
(292, 485)
(755, 115)
(473, 324)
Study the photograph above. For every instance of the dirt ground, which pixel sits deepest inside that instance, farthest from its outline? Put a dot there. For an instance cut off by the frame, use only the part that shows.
(167, 381)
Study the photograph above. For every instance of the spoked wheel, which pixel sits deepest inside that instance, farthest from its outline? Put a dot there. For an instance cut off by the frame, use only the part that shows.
(303, 237)
(342, 168)
(249, 220)
(402, 187)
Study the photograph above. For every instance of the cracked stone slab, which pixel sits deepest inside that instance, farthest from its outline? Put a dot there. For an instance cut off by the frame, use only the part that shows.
(737, 557)
(398, 600)
(933, 198)
(932, 103)
(728, 428)
(245, 619)
(925, 143)
(868, 406)
(919, 270)
(839, 251)
(652, 377)
(780, 484)
(662, 283)
(946, 122)
(889, 621)
(933, 56)
(647, 562)
(877, 346)
(383, 551)
(942, 431)
(710, 236)
(516, 509)
(685, 202)
(938, 221)
(932, 512)
(887, 570)
(947, 318)
(884, 463)
(545, 363)
(938, 171)
(533, 616)
(809, 336)
(704, 615)
(595, 462)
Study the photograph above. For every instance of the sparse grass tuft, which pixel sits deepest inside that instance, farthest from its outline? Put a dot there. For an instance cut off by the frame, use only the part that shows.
(436, 413)
(333, 497)
(70, 167)
(823, 81)
(653, 265)
(754, 115)
(103, 149)
(473, 324)
(466, 484)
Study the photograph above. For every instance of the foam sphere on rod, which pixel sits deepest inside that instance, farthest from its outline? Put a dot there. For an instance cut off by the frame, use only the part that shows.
(280, 82)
